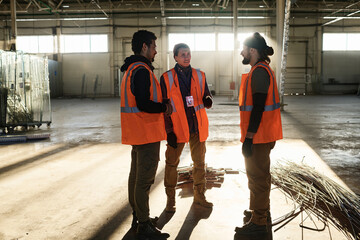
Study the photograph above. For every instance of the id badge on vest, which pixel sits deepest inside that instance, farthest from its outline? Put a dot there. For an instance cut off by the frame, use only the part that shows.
(189, 101)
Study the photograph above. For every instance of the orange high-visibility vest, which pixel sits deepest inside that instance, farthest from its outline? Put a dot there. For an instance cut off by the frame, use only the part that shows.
(270, 128)
(178, 117)
(139, 127)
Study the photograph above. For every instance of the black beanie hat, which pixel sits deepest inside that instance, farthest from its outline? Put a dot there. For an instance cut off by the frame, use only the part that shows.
(256, 41)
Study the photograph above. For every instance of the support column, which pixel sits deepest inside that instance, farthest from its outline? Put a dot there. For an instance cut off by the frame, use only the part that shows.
(280, 12)
(284, 52)
(164, 48)
(217, 72)
(235, 52)
(58, 38)
(111, 51)
(13, 25)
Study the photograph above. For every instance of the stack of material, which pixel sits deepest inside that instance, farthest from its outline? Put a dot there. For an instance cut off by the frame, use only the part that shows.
(24, 87)
(214, 177)
(317, 194)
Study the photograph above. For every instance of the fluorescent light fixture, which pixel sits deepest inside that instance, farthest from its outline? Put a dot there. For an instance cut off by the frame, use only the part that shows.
(58, 19)
(341, 18)
(65, 6)
(214, 17)
(195, 4)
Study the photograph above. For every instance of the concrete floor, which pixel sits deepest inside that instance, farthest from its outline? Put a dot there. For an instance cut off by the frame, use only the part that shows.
(74, 185)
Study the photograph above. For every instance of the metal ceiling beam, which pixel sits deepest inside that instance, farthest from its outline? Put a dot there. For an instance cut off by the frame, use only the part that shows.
(57, 7)
(341, 18)
(96, 4)
(146, 6)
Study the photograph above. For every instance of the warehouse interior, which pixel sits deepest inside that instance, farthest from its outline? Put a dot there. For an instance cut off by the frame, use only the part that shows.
(73, 185)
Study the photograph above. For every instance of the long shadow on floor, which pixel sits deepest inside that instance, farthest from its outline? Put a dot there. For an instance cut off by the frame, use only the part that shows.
(109, 227)
(164, 218)
(34, 161)
(196, 213)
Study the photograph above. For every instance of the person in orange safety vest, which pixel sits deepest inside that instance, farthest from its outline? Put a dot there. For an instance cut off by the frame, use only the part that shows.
(260, 124)
(187, 90)
(142, 126)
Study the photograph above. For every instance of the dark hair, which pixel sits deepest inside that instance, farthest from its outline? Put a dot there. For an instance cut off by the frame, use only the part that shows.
(178, 46)
(141, 37)
(258, 42)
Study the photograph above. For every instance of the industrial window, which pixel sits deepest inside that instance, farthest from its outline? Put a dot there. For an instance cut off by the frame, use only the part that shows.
(196, 42)
(341, 41)
(35, 44)
(204, 42)
(84, 43)
(226, 40)
(176, 38)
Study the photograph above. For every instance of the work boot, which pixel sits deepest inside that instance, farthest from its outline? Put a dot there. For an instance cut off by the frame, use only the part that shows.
(251, 229)
(199, 196)
(248, 214)
(134, 223)
(147, 231)
(170, 204)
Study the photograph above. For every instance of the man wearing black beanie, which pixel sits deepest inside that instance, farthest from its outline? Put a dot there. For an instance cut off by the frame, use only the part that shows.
(260, 124)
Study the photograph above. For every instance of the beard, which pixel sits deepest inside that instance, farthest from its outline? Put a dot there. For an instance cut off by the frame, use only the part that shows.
(246, 61)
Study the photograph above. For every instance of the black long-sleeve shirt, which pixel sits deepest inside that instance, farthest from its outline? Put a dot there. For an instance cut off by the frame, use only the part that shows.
(260, 82)
(140, 85)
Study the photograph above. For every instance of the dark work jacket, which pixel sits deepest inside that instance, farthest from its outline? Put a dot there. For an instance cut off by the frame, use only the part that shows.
(140, 85)
(184, 77)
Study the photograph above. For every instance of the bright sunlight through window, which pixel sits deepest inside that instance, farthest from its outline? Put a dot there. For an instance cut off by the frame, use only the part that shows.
(84, 43)
(341, 41)
(35, 44)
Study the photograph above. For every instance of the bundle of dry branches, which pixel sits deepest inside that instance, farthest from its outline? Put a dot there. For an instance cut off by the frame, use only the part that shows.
(319, 195)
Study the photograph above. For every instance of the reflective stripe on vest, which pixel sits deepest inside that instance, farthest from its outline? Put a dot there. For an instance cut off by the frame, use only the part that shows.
(171, 82)
(197, 108)
(200, 81)
(272, 107)
(128, 109)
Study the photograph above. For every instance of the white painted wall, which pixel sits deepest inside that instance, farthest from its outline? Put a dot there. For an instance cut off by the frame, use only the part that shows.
(75, 65)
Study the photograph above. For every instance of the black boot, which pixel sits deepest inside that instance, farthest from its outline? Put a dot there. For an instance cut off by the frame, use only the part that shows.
(251, 229)
(147, 230)
(134, 223)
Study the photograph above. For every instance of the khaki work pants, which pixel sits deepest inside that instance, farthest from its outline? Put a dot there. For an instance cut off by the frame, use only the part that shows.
(144, 163)
(172, 156)
(258, 173)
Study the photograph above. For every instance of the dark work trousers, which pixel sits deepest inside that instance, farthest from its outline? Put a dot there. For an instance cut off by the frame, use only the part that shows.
(172, 156)
(258, 173)
(144, 163)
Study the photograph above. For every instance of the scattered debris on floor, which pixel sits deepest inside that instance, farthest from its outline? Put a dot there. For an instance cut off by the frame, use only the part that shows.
(214, 176)
(317, 194)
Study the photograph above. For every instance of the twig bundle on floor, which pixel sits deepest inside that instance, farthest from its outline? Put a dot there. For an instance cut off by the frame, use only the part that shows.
(319, 195)
(214, 177)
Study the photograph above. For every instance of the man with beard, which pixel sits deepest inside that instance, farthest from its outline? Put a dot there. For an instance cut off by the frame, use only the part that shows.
(260, 124)
(142, 126)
